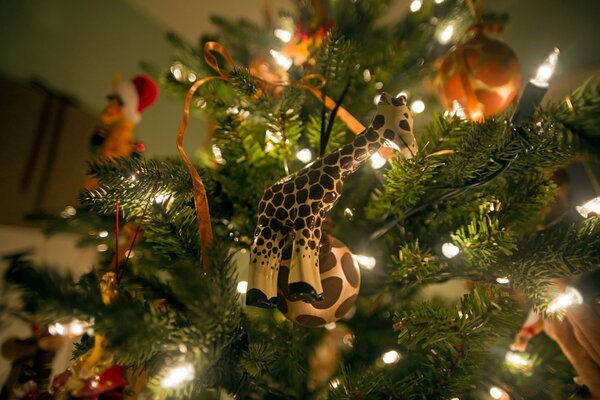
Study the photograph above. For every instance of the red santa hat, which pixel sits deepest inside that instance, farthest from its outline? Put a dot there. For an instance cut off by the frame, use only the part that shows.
(137, 95)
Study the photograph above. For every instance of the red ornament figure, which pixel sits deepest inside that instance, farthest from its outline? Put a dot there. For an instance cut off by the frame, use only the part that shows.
(482, 75)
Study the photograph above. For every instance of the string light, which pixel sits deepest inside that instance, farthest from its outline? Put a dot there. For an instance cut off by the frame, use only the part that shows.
(546, 70)
(498, 393)
(446, 34)
(102, 247)
(73, 329)
(367, 75)
(177, 71)
(216, 150)
(390, 357)
(102, 234)
(177, 375)
(331, 326)
(335, 383)
(416, 5)
(417, 106)
(304, 155)
(282, 60)
(364, 261)
(591, 207)
(439, 1)
(242, 287)
(377, 161)
(503, 280)
(284, 35)
(68, 212)
(519, 362)
(570, 297)
(192, 77)
(450, 250)
(348, 213)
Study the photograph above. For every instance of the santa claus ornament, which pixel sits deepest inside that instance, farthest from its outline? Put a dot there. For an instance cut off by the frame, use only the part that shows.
(481, 75)
(340, 279)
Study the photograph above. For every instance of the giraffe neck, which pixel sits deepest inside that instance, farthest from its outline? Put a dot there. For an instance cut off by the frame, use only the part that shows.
(360, 150)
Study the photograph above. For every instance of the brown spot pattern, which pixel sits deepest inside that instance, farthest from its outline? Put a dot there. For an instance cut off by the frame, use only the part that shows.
(345, 306)
(350, 270)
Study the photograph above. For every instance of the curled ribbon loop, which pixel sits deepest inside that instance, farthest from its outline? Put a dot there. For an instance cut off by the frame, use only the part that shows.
(200, 200)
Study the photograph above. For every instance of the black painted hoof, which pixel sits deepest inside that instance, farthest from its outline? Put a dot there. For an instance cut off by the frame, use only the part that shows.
(257, 298)
(303, 291)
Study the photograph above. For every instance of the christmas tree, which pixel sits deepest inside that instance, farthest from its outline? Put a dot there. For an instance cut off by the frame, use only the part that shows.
(298, 107)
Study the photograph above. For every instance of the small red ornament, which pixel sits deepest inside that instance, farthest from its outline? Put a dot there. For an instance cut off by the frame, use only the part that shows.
(482, 76)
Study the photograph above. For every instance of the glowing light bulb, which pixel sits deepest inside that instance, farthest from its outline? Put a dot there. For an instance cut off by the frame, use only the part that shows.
(177, 71)
(591, 207)
(517, 359)
(546, 70)
(439, 1)
(377, 161)
(446, 34)
(159, 198)
(367, 75)
(56, 329)
(218, 155)
(242, 287)
(502, 280)
(103, 234)
(330, 326)
(284, 35)
(450, 250)
(72, 329)
(178, 375)
(570, 297)
(102, 247)
(390, 357)
(416, 5)
(282, 60)
(192, 77)
(335, 383)
(364, 261)
(304, 155)
(417, 106)
(348, 213)
(495, 392)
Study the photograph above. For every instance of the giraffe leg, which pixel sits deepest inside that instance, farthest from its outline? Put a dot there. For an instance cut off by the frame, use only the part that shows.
(265, 258)
(305, 279)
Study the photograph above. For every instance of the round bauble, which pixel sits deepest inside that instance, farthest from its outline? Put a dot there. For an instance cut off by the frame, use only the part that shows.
(340, 277)
(482, 76)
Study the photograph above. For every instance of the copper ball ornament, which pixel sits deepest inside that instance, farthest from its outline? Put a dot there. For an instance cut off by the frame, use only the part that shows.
(340, 277)
(482, 76)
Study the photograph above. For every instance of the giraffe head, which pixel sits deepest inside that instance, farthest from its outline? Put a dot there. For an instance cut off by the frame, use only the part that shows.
(394, 122)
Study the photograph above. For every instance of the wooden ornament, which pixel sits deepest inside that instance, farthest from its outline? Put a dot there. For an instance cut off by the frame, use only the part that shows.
(293, 209)
(340, 279)
(482, 76)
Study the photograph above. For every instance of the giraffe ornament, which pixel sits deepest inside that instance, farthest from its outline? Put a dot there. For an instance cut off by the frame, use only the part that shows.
(291, 211)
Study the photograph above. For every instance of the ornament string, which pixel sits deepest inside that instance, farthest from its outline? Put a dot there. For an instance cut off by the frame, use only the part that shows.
(312, 82)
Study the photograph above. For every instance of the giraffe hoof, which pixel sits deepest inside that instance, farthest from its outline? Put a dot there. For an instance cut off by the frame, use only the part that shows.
(303, 291)
(257, 298)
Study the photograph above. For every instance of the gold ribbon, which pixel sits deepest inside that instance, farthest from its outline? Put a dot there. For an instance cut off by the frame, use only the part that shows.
(200, 200)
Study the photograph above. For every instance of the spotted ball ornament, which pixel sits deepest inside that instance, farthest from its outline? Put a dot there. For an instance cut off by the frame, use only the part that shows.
(340, 278)
(481, 76)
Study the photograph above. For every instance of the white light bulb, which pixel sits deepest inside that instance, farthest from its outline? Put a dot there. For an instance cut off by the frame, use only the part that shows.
(176, 70)
(390, 357)
(330, 326)
(56, 329)
(335, 383)
(445, 36)
(546, 70)
(284, 35)
(570, 297)
(377, 161)
(282, 60)
(242, 287)
(218, 155)
(304, 155)
(178, 375)
(76, 328)
(103, 234)
(439, 1)
(450, 250)
(416, 5)
(496, 392)
(192, 77)
(102, 247)
(417, 106)
(159, 198)
(591, 207)
(367, 75)
(517, 360)
(364, 261)
(502, 280)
